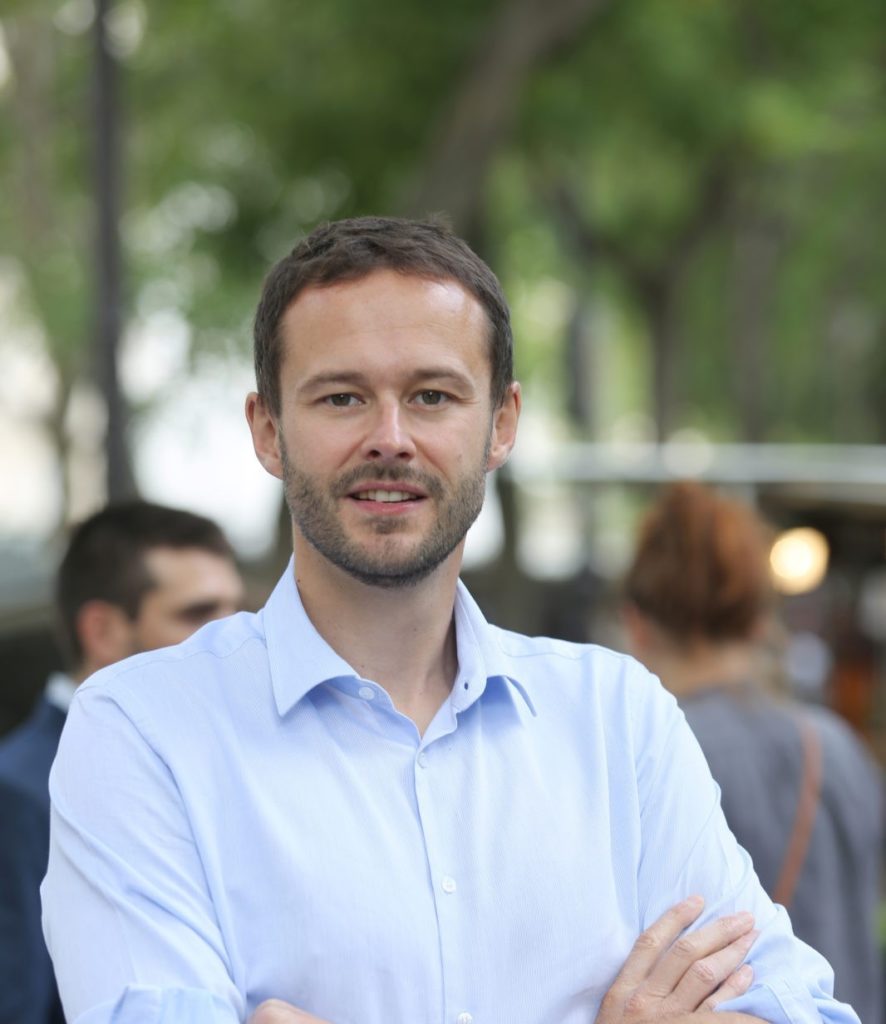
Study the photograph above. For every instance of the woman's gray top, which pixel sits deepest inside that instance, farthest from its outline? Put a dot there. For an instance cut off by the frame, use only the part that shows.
(753, 745)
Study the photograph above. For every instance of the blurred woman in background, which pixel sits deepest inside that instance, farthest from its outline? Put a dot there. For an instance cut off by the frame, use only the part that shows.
(799, 791)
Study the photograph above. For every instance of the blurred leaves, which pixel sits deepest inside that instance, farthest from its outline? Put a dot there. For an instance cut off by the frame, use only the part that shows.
(246, 124)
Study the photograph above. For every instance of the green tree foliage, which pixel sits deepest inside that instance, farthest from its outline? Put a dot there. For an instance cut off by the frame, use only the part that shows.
(716, 167)
(701, 178)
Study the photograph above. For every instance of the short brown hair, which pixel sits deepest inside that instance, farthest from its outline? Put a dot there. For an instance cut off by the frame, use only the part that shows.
(347, 250)
(701, 568)
(105, 559)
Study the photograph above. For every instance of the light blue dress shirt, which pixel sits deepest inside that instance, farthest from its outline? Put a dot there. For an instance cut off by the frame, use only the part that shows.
(243, 816)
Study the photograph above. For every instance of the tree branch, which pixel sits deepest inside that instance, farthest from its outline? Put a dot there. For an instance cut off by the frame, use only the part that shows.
(523, 34)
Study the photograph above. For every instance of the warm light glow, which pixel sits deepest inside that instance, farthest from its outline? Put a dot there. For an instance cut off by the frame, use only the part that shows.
(799, 560)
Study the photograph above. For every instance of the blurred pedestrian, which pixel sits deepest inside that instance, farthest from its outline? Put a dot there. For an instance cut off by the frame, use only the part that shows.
(135, 577)
(799, 790)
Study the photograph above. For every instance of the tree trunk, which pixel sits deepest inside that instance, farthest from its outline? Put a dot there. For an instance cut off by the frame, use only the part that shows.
(659, 299)
(119, 479)
(755, 258)
(30, 52)
(521, 36)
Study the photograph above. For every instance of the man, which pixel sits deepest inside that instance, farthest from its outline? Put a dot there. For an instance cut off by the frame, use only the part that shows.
(135, 576)
(365, 803)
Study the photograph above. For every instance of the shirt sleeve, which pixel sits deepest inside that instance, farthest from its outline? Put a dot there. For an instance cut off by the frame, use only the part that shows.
(687, 848)
(127, 913)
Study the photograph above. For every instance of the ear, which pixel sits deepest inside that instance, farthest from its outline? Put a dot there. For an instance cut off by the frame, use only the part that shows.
(105, 633)
(504, 427)
(263, 428)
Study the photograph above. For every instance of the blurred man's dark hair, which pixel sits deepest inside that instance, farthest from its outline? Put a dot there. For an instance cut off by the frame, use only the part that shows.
(347, 250)
(105, 559)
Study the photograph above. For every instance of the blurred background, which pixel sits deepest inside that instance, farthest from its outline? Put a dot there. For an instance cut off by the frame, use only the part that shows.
(684, 200)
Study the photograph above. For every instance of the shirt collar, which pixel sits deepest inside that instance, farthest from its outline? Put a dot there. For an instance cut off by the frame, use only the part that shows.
(300, 659)
(480, 653)
(59, 691)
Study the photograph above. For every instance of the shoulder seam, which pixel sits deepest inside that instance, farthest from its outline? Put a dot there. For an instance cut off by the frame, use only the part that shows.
(168, 660)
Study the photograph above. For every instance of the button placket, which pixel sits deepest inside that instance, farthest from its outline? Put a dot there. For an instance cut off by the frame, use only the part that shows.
(445, 863)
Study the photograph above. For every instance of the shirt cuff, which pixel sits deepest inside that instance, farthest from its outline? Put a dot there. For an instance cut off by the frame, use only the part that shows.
(779, 1002)
(147, 1004)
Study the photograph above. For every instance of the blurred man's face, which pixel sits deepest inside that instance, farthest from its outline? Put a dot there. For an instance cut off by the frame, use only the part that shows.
(192, 586)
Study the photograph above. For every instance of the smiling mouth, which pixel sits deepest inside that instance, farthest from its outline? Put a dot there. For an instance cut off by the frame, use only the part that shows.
(386, 496)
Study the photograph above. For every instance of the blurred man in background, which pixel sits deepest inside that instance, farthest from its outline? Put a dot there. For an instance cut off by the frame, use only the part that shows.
(135, 577)
(799, 790)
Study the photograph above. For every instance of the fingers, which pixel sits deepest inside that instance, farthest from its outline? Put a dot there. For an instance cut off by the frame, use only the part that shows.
(706, 976)
(275, 1011)
(696, 954)
(671, 973)
(654, 941)
(735, 985)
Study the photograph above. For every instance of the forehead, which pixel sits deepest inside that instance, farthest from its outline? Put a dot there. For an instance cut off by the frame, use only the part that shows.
(385, 311)
(188, 572)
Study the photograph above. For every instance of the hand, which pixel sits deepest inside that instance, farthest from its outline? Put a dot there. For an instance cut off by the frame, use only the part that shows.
(669, 975)
(275, 1011)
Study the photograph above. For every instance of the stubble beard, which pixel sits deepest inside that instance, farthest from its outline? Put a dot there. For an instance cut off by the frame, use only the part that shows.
(315, 512)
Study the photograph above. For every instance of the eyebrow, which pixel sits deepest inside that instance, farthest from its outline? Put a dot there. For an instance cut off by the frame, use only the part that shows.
(200, 608)
(437, 374)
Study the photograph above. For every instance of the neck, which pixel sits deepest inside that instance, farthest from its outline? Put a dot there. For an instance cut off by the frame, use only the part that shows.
(401, 638)
(685, 671)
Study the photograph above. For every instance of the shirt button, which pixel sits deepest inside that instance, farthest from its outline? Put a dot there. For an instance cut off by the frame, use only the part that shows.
(422, 760)
(448, 884)
(366, 692)
(464, 1018)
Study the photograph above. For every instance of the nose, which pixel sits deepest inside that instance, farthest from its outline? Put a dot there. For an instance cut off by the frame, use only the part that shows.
(389, 437)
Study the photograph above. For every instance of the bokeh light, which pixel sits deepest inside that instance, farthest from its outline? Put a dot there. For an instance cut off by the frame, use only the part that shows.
(799, 560)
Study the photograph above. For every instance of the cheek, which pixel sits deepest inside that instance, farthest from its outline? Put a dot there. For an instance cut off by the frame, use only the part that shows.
(318, 449)
(159, 628)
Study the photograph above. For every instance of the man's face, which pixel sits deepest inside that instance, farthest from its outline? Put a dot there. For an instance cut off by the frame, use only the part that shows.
(386, 429)
(191, 587)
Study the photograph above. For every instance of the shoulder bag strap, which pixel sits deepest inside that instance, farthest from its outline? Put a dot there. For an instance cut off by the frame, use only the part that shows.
(810, 789)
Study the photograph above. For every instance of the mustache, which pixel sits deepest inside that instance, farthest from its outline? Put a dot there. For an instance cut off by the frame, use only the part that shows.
(387, 474)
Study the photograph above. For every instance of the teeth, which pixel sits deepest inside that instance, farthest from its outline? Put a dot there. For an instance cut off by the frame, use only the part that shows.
(385, 496)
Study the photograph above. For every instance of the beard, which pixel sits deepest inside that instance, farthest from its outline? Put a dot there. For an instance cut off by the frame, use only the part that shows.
(314, 508)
